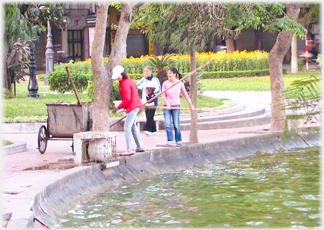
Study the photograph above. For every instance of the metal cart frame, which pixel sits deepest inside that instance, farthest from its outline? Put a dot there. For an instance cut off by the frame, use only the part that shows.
(63, 121)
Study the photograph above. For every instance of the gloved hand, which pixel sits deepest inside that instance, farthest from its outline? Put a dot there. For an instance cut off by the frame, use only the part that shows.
(115, 110)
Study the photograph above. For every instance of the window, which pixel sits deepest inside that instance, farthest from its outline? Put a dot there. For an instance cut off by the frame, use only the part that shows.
(75, 44)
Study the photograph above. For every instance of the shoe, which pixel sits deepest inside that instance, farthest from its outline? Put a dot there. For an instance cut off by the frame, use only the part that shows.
(127, 153)
(154, 133)
(140, 151)
(148, 133)
(179, 144)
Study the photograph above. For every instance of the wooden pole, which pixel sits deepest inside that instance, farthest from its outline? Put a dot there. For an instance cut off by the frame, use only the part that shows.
(182, 108)
(75, 91)
(182, 79)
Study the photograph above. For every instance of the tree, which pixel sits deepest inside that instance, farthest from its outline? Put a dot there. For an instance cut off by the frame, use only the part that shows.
(186, 28)
(282, 19)
(23, 23)
(237, 17)
(276, 56)
(101, 74)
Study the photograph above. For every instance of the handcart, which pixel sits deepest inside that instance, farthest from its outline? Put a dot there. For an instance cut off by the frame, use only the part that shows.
(63, 121)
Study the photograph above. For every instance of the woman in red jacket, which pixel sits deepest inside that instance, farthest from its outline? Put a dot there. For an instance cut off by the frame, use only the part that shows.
(132, 103)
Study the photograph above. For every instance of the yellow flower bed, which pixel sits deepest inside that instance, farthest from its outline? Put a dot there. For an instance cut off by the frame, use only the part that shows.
(236, 61)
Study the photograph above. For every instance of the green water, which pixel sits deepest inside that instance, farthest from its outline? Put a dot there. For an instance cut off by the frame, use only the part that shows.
(268, 190)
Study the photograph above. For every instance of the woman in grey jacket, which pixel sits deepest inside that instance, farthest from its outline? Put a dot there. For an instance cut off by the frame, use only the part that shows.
(150, 86)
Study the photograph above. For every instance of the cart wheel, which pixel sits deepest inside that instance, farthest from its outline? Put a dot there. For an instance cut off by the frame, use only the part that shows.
(42, 139)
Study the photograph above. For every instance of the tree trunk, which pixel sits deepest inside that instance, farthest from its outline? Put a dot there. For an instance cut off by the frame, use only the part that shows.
(118, 49)
(258, 34)
(7, 79)
(294, 57)
(6, 73)
(100, 77)
(276, 56)
(193, 94)
(230, 45)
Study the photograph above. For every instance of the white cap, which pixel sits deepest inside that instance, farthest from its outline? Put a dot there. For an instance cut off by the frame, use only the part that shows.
(117, 70)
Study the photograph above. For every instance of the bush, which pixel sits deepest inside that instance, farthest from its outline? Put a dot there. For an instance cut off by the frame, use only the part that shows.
(229, 74)
(300, 65)
(25, 119)
(284, 70)
(59, 81)
(114, 95)
(5, 142)
(90, 91)
(41, 76)
(236, 61)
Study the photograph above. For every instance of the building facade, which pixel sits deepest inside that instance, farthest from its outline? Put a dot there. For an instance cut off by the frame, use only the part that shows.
(74, 42)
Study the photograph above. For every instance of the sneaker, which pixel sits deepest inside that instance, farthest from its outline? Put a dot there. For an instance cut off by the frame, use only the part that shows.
(179, 144)
(154, 133)
(148, 133)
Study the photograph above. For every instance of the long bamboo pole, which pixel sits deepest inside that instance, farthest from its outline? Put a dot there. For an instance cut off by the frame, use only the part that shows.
(182, 79)
(182, 108)
(75, 91)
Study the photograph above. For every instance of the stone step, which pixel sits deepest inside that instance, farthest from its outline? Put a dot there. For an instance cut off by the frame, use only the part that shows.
(264, 118)
(252, 114)
(247, 112)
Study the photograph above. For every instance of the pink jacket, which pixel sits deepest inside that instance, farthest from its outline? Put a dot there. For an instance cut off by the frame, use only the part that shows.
(173, 94)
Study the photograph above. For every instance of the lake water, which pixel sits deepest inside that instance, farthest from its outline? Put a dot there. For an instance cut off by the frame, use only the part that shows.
(268, 190)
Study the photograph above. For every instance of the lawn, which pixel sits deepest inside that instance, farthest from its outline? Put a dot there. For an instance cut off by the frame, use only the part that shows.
(23, 109)
(250, 83)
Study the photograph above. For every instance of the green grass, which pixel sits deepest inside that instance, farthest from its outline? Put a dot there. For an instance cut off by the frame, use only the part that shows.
(250, 83)
(5, 142)
(23, 109)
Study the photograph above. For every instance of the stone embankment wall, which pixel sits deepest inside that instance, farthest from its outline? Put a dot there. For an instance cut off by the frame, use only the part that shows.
(83, 183)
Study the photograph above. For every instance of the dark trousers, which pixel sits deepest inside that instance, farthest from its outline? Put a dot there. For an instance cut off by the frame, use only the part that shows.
(150, 124)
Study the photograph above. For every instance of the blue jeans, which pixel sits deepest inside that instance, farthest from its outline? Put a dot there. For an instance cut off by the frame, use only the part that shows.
(175, 114)
(131, 129)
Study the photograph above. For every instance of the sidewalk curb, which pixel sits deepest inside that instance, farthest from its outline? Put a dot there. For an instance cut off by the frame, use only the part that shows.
(16, 147)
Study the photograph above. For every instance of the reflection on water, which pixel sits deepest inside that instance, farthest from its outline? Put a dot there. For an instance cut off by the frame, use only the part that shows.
(276, 190)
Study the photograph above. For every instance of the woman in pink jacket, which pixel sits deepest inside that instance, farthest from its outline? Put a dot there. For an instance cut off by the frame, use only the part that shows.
(171, 98)
(132, 103)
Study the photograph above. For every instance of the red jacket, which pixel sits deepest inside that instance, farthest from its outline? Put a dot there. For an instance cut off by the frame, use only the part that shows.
(129, 95)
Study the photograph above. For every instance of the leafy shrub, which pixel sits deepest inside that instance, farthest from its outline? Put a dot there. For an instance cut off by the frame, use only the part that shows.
(114, 94)
(5, 142)
(284, 70)
(89, 76)
(41, 76)
(300, 65)
(90, 91)
(255, 60)
(25, 119)
(59, 81)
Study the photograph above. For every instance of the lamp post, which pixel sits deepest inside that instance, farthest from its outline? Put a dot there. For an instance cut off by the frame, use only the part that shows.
(32, 86)
(49, 52)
